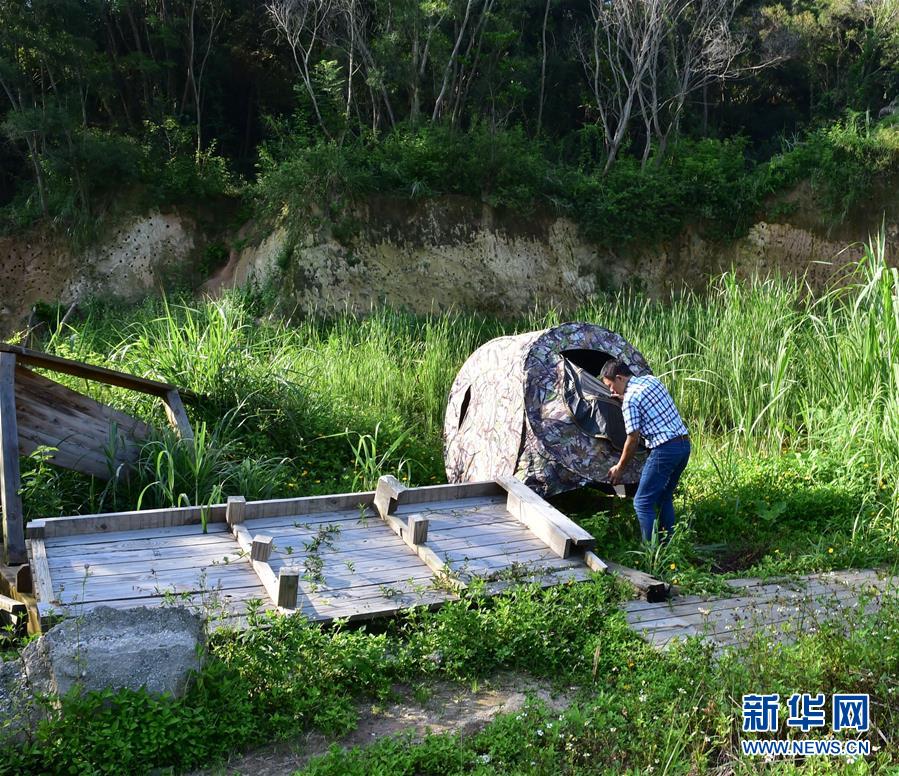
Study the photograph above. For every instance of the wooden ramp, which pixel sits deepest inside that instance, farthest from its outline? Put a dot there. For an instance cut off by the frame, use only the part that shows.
(779, 609)
(352, 556)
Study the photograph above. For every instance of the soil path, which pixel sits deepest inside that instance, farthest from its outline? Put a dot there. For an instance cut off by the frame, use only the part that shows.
(438, 707)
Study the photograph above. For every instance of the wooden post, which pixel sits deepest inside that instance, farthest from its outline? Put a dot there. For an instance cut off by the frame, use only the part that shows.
(288, 587)
(13, 522)
(177, 415)
(261, 548)
(235, 510)
(418, 529)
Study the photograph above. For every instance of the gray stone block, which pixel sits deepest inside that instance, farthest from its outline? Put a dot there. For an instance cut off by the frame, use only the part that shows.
(18, 712)
(156, 648)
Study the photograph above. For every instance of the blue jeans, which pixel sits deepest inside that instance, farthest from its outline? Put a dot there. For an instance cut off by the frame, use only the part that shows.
(660, 476)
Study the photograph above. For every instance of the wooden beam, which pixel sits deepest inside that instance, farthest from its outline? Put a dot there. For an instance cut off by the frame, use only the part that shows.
(263, 570)
(261, 548)
(10, 475)
(389, 489)
(539, 524)
(90, 372)
(53, 527)
(595, 562)
(12, 606)
(308, 505)
(40, 572)
(580, 537)
(235, 511)
(652, 589)
(177, 415)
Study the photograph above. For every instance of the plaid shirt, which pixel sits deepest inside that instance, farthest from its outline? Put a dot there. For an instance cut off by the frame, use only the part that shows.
(648, 408)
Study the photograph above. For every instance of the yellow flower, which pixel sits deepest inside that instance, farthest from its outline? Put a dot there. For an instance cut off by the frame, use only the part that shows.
(673, 566)
(777, 552)
(830, 550)
(674, 580)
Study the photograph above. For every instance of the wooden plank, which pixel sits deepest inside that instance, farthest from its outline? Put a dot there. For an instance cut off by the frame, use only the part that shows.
(777, 594)
(90, 372)
(595, 563)
(262, 568)
(12, 606)
(235, 511)
(288, 587)
(40, 572)
(580, 537)
(148, 519)
(393, 493)
(89, 437)
(308, 505)
(652, 588)
(383, 500)
(525, 512)
(10, 475)
(261, 548)
(349, 521)
(176, 535)
(177, 415)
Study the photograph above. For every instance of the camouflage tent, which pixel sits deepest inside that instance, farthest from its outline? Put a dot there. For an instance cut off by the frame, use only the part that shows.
(531, 406)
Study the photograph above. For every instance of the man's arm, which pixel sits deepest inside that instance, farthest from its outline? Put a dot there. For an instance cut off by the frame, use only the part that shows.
(630, 447)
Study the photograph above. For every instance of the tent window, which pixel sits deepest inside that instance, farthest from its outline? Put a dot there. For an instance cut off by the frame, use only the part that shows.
(464, 410)
(590, 361)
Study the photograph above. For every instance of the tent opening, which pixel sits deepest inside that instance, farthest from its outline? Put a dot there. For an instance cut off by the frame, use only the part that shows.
(591, 361)
(590, 403)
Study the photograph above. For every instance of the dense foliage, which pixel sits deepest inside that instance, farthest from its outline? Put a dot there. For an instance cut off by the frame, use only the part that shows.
(517, 103)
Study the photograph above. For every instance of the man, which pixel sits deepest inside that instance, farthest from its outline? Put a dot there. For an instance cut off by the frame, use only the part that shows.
(649, 412)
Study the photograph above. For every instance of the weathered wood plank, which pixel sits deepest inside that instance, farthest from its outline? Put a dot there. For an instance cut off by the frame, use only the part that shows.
(10, 475)
(554, 537)
(40, 572)
(90, 372)
(88, 436)
(177, 415)
(12, 606)
(652, 588)
(580, 537)
(595, 563)
(778, 594)
(152, 520)
(308, 505)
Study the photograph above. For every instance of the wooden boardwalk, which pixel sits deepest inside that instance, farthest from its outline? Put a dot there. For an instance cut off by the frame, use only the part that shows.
(778, 609)
(350, 556)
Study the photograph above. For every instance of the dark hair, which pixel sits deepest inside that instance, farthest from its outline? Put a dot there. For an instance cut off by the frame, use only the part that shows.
(613, 368)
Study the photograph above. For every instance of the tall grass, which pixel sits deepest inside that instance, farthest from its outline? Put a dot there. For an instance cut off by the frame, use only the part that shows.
(757, 367)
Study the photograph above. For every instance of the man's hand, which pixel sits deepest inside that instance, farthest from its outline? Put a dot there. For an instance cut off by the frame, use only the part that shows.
(615, 474)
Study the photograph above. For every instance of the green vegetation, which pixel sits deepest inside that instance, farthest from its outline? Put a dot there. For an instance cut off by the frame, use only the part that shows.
(107, 108)
(791, 401)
